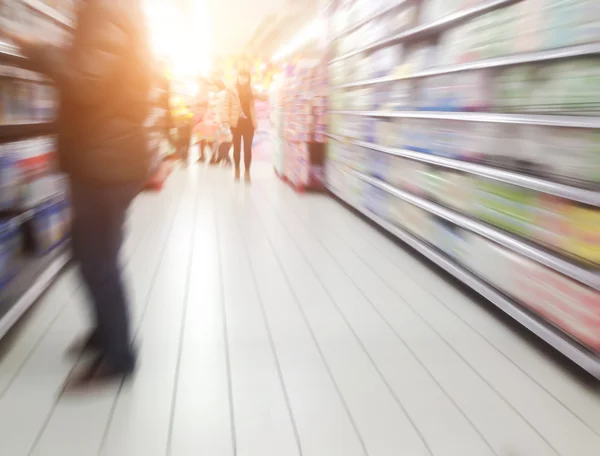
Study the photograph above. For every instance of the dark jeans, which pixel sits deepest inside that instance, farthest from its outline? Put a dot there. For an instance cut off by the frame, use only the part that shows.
(185, 137)
(243, 130)
(97, 234)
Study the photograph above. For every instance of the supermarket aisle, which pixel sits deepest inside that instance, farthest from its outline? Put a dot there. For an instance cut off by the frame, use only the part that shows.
(278, 324)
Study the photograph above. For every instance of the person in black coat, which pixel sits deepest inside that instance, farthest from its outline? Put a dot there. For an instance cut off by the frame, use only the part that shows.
(104, 79)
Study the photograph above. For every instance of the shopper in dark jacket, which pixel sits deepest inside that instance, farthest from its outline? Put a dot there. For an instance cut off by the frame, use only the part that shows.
(104, 79)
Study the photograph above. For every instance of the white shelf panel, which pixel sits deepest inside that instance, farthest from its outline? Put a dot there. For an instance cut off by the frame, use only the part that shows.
(583, 275)
(378, 14)
(445, 23)
(533, 183)
(571, 350)
(584, 50)
(589, 122)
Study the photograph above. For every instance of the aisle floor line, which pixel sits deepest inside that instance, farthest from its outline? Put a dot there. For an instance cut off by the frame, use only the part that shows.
(536, 407)
(533, 403)
(272, 323)
(449, 418)
(392, 305)
(243, 247)
(262, 419)
(541, 368)
(144, 429)
(202, 418)
(50, 306)
(325, 427)
(560, 429)
(386, 429)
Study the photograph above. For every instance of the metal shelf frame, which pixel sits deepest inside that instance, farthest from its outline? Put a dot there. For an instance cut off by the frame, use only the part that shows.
(549, 55)
(581, 274)
(25, 129)
(27, 290)
(433, 28)
(542, 120)
(579, 355)
(371, 18)
(572, 193)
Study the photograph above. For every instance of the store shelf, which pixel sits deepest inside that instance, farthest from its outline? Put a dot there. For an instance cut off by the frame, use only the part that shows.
(433, 28)
(583, 50)
(25, 129)
(29, 285)
(9, 54)
(573, 351)
(49, 12)
(589, 122)
(583, 275)
(375, 16)
(533, 183)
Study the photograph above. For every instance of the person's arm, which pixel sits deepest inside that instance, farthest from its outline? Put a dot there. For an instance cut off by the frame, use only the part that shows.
(83, 72)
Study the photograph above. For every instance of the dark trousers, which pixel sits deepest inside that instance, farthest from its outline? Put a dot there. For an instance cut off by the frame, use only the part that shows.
(185, 137)
(222, 154)
(203, 144)
(97, 234)
(243, 130)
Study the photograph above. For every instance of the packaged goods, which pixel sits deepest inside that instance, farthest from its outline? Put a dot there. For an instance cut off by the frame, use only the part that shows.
(11, 179)
(10, 250)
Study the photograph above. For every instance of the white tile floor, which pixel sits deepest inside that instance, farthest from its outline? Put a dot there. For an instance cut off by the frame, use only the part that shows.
(273, 324)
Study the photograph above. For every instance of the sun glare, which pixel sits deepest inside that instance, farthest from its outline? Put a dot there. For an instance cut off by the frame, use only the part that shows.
(185, 44)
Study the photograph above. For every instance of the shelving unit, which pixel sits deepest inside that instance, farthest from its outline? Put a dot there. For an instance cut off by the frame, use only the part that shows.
(581, 195)
(518, 229)
(36, 201)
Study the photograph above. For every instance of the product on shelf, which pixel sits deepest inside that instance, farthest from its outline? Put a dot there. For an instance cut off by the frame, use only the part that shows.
(34, 204)
(10, 250)
(485, 116)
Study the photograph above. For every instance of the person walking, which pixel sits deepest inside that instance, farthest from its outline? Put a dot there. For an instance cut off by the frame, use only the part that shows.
(228, 105)
(244, 123)
(104, 80)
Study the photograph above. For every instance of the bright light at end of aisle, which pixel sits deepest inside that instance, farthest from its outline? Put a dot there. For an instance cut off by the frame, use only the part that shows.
(183, 41)
(311, 32)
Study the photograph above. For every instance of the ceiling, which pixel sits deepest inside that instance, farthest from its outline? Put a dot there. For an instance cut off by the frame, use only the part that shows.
(258, 27)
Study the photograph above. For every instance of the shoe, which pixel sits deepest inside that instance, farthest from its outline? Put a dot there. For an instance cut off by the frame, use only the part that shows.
(247, 178)
(237, 175)
(98, 373)
(84, 346)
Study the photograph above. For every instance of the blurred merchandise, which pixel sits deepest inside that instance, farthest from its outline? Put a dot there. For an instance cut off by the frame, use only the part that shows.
(303, 99)
(35, 212)
(471, 131)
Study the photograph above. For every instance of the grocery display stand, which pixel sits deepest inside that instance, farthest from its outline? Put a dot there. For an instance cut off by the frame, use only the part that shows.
(469, 132)
(303, 103)
(34, 232)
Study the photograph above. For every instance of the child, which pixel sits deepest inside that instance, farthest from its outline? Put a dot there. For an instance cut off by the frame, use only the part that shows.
(227, 103)
(208, 126)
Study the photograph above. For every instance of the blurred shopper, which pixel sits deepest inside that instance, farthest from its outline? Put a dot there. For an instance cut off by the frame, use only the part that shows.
(244, 123)
(185, 128)
(104, 80)
(228, 106)
(200, 111)
(207, 128)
